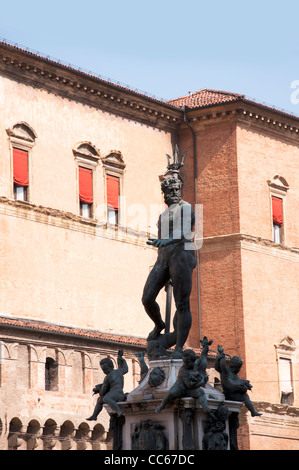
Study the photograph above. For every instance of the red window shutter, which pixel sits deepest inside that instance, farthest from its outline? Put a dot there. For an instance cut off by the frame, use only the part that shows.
(20, 167)
(112, 191)
(277, 210)
(85, 185)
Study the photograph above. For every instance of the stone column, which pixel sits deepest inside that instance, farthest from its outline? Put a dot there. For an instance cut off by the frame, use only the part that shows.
(8, 364)
(37, 361)
(65, 365)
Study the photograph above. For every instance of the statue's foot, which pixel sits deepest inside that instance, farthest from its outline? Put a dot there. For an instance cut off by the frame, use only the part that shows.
(255, 413)
(91, 418)
(177, 354)
(159, 409)
(206, 409)
(156, 331)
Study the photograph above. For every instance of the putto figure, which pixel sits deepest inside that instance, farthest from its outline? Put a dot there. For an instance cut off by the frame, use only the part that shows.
(175, 263)
(111, 390)
(234, 388)
(143, 365)
(191, 379)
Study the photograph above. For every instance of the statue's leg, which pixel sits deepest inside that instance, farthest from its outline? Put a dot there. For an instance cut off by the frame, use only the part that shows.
(200, 394)
(155, 282)
(249, 405)
(98, 408)
(110, 400)
(181, 268)
(176, 391)
(164, 402)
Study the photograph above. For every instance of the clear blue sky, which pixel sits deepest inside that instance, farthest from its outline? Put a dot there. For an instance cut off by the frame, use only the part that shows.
(169, 47)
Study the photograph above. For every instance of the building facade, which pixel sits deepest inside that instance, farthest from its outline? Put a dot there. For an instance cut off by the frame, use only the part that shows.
(246, 179)
(80, 164)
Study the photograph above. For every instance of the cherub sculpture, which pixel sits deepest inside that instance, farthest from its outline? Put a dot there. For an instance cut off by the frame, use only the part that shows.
(143, 365)
(234, 388)
(191, 378)
(215, 435)
(111, 390)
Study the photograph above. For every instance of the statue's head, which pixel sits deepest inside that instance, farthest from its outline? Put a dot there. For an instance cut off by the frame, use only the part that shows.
(156, 377)
(172, 184)
(171, 188)
(189, 357)
(222, 412)
(236, 363)
(107, 365)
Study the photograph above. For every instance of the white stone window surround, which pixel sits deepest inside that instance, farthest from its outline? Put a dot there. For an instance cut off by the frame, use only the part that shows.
(86, 156)
(278, 187)
(285, 356)
(21, 136)
(114, 165)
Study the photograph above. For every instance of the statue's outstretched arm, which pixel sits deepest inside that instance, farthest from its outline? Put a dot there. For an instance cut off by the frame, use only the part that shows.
(220, 363)
(122, 363)
(203, 360)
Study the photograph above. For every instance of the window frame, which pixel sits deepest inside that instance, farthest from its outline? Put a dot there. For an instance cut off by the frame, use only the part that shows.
(113, 216)
(21, 137)
(17, 190)
(277, 233)
(25, 189)
(286, 396)
(286, 350)
(86, 156)
(278, 188)
(86, 210)
(277, 230)
(85, 207)
(114, 165)
(51, 383)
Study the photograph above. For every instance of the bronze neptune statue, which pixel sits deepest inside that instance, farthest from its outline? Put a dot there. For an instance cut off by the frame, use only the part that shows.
(176, 261)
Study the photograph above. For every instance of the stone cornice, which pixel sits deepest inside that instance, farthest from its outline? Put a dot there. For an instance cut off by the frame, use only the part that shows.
(249, 113)
(95, 227)
(91, 90)
(249, 242)
(70, 221)
(74, 84)
(278, 409)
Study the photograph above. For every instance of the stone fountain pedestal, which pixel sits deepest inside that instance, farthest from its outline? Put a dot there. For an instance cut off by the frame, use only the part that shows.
(182, 425)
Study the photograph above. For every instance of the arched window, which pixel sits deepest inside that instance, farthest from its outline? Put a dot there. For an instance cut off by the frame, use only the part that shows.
(22, 138)
(278, 189)
(66, 435)
(32, 434)
(98, 437)
(83, 436)
(286, 354)
(50, 434)
(51, 374)
(15, 434)
(86, 156)
(114, 167)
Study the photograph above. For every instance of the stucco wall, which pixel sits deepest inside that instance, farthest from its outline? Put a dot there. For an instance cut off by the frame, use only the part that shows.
(261, 156)
(72, 271)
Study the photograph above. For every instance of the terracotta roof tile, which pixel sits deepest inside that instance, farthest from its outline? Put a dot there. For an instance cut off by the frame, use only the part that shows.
(41, 326)
(67, 330)
(200, 99)
(204, 98)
